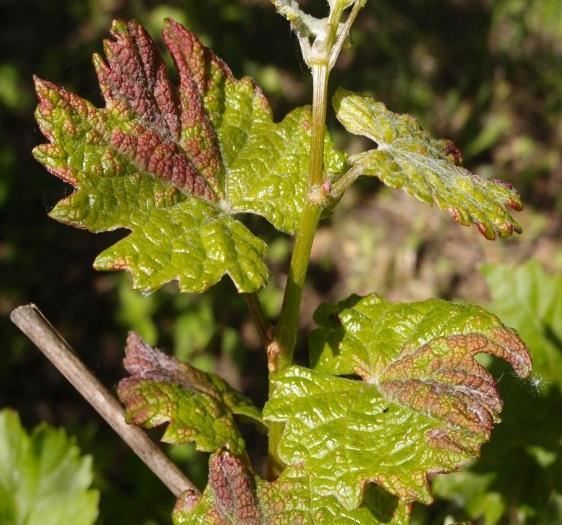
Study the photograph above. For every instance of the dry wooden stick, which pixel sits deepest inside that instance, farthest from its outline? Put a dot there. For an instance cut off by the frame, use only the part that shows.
(34, 325)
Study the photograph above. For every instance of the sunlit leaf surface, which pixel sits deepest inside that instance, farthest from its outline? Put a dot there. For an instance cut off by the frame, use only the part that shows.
(422, 405)
(408, 157)
(236, 496)
(199, 407)
(175, 164)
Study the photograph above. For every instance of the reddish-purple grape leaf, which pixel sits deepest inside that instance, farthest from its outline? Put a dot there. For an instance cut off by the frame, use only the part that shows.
(408, 157)
(236, 496)
(423, 404)
(197, 406)
(175, 164)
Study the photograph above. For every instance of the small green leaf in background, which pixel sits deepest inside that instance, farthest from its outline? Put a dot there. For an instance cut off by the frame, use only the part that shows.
(175, 164)
(408, 157)
(530, 299)
(520, 471)
(424, 405)
(199, 407)
(194, 328)
(43, 478)
(236, 496)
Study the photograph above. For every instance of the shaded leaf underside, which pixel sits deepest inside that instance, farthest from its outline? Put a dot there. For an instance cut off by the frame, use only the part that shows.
(235, 496)
(175, 164)
(198, 406)
(408, 157)
(424, 405)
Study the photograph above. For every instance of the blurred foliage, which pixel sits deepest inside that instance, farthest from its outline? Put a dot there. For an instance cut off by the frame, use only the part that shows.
(530, 299)
(484, 73)
(43, 478)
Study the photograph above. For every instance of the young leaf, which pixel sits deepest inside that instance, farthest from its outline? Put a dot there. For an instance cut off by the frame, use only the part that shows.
(198, 406)
(43, 478)
(236, 496)
(424, 405)
(408, 157)
(303, 23)
(175, 164)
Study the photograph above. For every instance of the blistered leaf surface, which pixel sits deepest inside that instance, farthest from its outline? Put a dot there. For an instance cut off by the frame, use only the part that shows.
(423, 404)
(43, 478)
(408, 157)
(197, 406)
(175, 164)
(236, 496)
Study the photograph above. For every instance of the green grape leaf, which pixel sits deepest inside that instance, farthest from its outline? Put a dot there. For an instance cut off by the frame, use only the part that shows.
(424, 404)
(175, 164)
(43, 478)
(198, 406)
(530, 299)
(408, 157)
(236, 496)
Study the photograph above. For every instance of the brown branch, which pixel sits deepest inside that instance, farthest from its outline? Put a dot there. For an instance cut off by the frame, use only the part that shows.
(256, 311)
(34, 325)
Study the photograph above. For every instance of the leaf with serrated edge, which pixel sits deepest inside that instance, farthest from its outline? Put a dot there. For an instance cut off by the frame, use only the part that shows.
(424, 405)
(175, 164)
(43, 478)
(236, 496)
(198, 406)
(408, 157)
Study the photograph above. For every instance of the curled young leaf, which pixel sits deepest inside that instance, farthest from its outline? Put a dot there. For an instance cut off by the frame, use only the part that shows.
(303, 23)
(198, 406)
(408, 157)
(175, 164)
(236, 496)
(424, 404)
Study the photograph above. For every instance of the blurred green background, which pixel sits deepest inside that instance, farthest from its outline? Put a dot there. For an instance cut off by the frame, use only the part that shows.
(487, 74)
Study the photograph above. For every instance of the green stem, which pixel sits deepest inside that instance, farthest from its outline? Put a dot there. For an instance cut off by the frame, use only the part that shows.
(288, 325)
(287, 329)
(321, 57)
(345, 181)
(285, 336)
